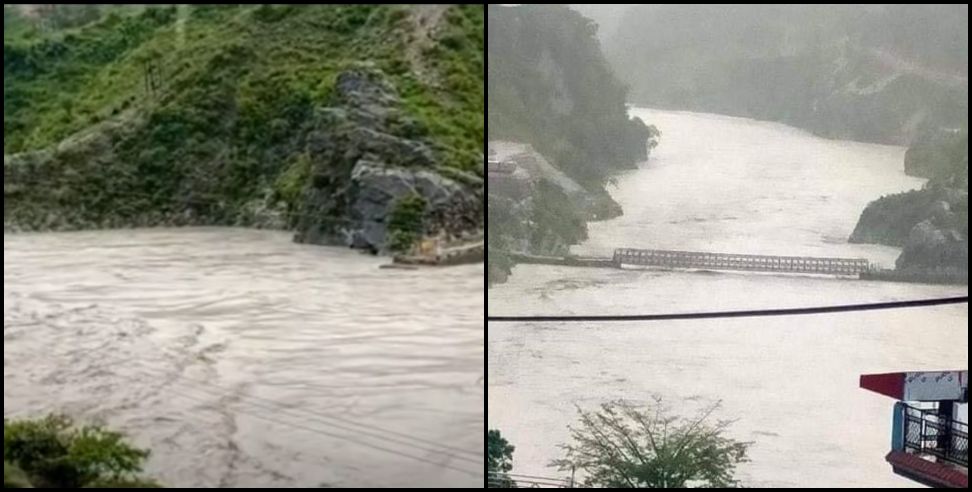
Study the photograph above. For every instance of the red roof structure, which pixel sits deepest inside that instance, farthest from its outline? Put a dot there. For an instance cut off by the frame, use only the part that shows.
(928, 443)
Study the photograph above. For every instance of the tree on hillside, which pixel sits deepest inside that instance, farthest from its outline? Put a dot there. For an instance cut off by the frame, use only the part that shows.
(624, 446)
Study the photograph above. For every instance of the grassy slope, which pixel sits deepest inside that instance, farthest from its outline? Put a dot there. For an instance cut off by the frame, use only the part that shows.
(64, 81)
(235, 84)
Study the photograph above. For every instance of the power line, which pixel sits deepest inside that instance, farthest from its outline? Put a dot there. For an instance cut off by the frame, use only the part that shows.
(343, 424)
(335, 436)
(733, 314)
(450, 453)
(303, 426)
(325, 420)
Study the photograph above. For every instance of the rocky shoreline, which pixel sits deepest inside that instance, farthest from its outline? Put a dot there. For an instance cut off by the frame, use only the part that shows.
(928, 226)
(931, 224)
(920, 276)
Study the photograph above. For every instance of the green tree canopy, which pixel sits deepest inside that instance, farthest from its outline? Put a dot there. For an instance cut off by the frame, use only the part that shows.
(624, 446)
(500, 460)
(55, 453)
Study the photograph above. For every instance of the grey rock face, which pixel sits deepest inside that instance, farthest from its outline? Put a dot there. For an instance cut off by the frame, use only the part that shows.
(930, 246)
(365, 160)
(377, 188)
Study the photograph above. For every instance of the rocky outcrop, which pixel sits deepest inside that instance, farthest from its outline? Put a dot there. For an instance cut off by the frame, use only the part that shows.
(890, 219)
(931, 226)
(934, 246)
(376, 188)
(367, 156)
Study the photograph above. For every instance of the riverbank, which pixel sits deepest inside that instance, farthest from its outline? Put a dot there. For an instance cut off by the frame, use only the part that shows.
(942, 276)
(466, 251)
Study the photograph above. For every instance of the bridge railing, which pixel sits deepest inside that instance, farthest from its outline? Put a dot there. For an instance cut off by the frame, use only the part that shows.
(508, 481)
(691, 259)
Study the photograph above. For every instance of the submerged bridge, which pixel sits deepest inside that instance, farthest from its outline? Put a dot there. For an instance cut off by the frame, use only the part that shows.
(725, 261)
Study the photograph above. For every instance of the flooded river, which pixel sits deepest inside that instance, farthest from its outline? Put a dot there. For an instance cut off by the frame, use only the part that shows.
(243, 360)
(728, 185)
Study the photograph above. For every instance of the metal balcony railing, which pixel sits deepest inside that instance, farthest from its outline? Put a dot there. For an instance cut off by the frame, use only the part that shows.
(507, 481)
(928, 433)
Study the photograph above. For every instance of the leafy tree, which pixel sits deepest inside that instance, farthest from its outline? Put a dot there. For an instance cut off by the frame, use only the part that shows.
(500, 460)
(556, 218)
(54, 453)
(405, 224)
(623, 446)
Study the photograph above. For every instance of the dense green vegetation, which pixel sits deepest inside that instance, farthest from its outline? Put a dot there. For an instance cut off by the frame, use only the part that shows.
(55, 453)
(405, 225)
(557, 220)
(551, 86)
(877, 73)
(281, 58)
(622, 445)
(889, 219)
(942, 156)
(547, 224)
(202, 114)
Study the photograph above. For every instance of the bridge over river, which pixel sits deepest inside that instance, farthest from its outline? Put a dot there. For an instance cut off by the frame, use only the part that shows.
(710, 261)
(727, 261)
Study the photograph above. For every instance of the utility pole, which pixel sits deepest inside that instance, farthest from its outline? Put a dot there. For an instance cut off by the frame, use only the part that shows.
(152, 76)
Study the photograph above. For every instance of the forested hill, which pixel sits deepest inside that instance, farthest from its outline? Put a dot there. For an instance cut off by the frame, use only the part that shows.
(324, 119)
(550, 86)
(876, 73)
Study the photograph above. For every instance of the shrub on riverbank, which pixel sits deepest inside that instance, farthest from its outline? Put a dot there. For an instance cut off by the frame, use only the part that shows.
(405, 226)
(55, 453)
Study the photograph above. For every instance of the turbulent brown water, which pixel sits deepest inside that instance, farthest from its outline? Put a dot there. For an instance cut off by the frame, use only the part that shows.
(244, 360)
(728, 185)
